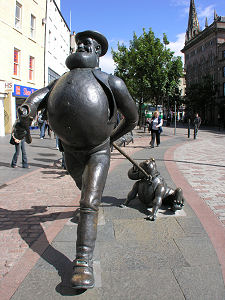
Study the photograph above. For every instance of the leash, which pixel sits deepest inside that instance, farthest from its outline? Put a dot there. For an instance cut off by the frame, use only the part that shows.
(149, 177)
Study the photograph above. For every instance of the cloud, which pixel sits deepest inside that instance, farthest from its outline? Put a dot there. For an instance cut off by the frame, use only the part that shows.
(180, 3)
(184, 4)
(205, 12)
(107, 64)
(178, 44)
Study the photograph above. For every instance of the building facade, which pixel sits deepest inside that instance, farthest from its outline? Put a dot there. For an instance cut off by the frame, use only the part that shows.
(57, 42)
(22, 55)
(204, 56)
(35, 42)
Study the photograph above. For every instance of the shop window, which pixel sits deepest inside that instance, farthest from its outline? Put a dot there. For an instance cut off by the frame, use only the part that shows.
(31, 68)
(32, 26)
(18, 15)
(16, 70)
(224, 88)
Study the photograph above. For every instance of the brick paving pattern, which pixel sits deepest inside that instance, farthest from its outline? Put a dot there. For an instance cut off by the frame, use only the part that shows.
(203, 165)
(29, 205)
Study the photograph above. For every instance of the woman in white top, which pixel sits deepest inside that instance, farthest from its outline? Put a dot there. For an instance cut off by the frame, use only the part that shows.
(156, 129)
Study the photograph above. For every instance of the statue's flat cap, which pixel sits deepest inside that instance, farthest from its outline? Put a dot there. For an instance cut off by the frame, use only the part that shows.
(96, 36)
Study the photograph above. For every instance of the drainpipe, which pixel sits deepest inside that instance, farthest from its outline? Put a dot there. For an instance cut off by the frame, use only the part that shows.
(45, 35)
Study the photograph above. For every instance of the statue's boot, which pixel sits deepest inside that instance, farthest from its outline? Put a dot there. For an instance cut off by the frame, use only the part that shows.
(83, 277)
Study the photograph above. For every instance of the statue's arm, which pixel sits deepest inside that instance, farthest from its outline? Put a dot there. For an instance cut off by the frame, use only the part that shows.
(125, 105)
(35, 101)
(28, 110)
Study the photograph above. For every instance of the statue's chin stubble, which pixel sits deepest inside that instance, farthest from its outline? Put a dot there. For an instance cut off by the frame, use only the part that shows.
(82, 60)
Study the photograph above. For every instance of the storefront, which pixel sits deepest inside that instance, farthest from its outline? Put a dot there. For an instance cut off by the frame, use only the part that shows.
(21, 93)
(5, 104)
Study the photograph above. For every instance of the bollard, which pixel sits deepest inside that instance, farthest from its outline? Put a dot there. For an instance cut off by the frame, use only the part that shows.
(189, 127)
(195, 131)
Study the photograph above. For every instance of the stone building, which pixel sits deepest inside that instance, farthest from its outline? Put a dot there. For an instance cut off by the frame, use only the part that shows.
(57, 42)
(204, 55)
(22, 55)
(35, 41)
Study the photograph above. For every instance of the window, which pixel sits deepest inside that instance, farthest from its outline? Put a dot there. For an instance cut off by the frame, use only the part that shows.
(224, 88)
(18, 15)
(223, 53)
(31, 68)
(223, 71)
(16, 70)
(52, 75)
(32, 26)
(49, 40)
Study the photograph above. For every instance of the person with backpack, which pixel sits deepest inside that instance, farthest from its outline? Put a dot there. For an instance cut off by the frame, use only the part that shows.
(156, 129)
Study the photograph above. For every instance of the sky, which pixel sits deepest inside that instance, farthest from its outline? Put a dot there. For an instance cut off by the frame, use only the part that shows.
(117, 20)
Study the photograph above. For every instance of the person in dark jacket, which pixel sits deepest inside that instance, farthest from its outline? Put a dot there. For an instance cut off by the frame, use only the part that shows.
(156, 129)
(197, 123)
(19, 144)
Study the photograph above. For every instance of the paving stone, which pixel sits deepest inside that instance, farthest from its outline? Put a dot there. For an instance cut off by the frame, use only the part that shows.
(47, 284)
(140, 229)
(145, 284)
(136, 255)
(197, 250)
(200, 282)
(191, 226)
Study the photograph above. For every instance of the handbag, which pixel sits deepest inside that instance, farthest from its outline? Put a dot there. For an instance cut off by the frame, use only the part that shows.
(12, 141)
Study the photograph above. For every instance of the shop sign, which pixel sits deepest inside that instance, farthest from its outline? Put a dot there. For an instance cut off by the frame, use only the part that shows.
(22, 91)
(5, 86)
(8, 86)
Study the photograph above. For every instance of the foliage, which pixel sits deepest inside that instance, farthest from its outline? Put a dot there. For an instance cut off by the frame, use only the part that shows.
(148, 67)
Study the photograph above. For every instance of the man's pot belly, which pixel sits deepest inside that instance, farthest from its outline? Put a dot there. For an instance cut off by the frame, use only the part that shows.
(78, 112)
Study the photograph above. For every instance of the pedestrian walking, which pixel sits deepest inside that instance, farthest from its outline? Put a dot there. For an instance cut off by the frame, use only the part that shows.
(19, 144)
(48, 129)
(156, 129)
(197, 123)
(41, 125)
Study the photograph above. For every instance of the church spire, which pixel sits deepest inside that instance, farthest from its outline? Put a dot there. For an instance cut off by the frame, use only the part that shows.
(193, 24)
(215, 15)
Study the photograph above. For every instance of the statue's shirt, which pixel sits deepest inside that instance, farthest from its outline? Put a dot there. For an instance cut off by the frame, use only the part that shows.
(80, 110)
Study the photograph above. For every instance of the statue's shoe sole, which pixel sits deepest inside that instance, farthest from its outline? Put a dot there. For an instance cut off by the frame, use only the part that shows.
(82, 287)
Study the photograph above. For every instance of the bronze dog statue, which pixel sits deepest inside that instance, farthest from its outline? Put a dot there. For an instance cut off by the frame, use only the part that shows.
(153, 191)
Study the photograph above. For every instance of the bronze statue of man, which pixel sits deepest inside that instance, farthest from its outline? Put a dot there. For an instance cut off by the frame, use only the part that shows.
(82, 110)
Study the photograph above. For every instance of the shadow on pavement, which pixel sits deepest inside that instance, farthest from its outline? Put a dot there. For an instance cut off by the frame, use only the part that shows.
(31, 231)
(46, 147)
(134, 204)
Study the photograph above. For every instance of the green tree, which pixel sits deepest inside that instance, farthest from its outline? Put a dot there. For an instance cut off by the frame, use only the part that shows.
(149, 69)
